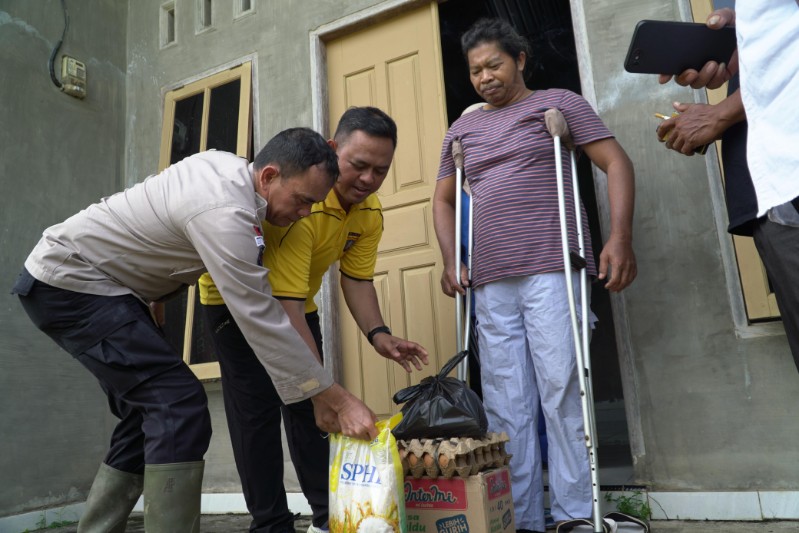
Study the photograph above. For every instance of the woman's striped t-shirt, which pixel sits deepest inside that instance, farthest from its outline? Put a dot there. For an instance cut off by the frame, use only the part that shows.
(509, 162)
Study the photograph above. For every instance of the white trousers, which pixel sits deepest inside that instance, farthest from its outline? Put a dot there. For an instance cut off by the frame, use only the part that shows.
(526, 355)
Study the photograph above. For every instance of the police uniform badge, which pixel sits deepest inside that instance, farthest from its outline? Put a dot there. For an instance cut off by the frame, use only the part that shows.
(259, 242)
(352, 237)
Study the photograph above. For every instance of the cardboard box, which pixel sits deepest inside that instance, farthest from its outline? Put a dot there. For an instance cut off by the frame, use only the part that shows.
(476, 504)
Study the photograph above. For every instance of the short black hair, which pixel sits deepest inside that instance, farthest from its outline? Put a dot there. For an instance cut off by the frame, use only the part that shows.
(369, 120)
(295, 150)
(497, 31)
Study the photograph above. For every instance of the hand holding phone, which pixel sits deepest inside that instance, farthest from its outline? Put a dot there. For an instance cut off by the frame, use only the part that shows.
(669, 47)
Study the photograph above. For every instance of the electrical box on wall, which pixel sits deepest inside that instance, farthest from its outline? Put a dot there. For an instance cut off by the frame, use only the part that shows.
(73, 77)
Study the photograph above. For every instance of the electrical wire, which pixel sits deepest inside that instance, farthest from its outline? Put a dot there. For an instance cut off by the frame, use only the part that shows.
(58, 46)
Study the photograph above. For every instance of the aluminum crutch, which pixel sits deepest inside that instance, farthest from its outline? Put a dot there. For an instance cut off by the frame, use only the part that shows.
(462, 331)
(559, 129)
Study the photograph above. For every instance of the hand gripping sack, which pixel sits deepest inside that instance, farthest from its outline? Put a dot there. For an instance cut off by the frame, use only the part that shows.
(366, 483)
(441, 407)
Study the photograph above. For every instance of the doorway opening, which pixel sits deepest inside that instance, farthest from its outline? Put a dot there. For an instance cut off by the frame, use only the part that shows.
(547, 25)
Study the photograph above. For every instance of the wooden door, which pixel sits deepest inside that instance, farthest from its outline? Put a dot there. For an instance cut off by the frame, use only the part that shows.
(396, 65)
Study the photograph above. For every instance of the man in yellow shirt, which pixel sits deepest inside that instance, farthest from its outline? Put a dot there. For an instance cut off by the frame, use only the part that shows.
(345, 227)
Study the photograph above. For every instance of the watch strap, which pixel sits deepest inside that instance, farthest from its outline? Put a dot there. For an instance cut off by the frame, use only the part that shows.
(379, 329)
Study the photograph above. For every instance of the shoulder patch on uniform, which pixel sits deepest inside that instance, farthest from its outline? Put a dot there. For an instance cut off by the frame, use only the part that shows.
(352, 238)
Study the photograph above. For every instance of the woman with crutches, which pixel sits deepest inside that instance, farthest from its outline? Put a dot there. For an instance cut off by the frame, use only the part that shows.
(527, 348)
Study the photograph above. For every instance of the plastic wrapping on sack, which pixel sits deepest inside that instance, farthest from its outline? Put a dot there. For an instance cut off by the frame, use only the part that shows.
(441, 407)
(366, 483)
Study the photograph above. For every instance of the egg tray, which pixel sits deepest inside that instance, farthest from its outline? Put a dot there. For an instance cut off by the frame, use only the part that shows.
(455, 456)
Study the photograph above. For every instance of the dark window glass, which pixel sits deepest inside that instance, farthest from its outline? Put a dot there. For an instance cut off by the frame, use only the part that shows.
(202, 345)
(202, 350)
(223, 118)
(187, 128)
(206, 13)
(170, 26)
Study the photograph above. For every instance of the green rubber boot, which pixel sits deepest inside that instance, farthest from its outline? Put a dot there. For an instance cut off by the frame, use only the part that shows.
(111, 499)
(172, 497)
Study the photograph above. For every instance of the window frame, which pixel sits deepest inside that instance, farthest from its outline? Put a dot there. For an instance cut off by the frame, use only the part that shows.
(239, 11)
(168, 22)
(204, 10)
(240, 71)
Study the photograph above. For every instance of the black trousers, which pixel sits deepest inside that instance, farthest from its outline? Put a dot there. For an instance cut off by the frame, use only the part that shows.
(161, 405)
(254, 412)
(778, 247)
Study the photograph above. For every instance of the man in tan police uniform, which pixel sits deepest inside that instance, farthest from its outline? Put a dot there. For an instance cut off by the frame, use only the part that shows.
(86, 284)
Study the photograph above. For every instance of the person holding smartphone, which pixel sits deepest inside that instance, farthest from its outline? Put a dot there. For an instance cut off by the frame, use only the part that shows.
(763, 188)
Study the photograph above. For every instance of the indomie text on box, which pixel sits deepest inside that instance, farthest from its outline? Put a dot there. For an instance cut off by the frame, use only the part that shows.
(477, 504)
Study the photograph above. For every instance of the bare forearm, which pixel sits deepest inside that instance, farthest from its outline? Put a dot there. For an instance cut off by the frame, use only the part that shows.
(609, 156)
(444, 223)
(617, 258)
(621, 194)
(361, 299)
(732, 109)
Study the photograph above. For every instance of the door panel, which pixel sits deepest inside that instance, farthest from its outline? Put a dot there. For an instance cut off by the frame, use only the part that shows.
(383, 66)
(407, 226)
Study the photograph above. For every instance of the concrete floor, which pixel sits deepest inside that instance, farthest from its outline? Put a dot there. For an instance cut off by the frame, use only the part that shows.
(210, 523)
(239, 523)
(678, 526)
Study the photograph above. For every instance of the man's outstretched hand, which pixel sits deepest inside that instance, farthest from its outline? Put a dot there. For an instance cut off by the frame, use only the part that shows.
(400, 351)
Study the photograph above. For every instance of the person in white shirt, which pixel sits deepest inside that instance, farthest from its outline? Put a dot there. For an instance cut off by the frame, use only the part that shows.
(767, 60)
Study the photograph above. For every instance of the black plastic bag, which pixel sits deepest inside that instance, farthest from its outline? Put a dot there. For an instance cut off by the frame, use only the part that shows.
(441, 407)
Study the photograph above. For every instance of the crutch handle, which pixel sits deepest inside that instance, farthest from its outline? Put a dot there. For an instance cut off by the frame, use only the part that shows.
(457, 153)
(557, 127)
(577, 261)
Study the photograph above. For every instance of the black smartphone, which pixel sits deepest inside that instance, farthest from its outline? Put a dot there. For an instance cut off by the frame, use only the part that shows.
(669, 47)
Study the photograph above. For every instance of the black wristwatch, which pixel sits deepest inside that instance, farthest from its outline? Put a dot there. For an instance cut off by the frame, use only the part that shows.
(379, 329)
